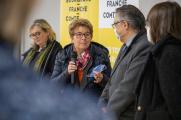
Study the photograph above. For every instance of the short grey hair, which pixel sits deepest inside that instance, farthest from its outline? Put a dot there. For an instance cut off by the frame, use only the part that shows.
(133, 16)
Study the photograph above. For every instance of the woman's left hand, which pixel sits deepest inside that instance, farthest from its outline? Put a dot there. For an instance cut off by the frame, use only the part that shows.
(98, 77)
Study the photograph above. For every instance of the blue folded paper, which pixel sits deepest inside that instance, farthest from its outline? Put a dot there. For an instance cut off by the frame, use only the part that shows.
(98, 68)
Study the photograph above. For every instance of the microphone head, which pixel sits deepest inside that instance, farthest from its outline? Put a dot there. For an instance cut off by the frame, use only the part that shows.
(74, 55)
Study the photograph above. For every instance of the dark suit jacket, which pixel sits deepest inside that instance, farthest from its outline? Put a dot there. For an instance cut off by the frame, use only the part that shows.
(158, 89)
(119, 91)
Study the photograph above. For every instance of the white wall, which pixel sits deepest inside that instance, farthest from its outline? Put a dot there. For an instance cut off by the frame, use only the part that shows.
(50, 10)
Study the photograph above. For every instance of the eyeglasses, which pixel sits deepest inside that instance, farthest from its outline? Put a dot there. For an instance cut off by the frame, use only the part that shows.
(36, 34)
(114, 24)
(80, 35)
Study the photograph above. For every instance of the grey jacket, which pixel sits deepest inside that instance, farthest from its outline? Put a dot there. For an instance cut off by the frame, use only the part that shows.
(118, 94)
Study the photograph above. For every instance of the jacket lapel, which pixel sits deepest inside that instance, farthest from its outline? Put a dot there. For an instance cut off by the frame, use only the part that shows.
(119, 59)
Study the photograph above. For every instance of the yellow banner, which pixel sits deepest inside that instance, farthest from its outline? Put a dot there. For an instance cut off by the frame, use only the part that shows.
(100, 13)
(71, 9)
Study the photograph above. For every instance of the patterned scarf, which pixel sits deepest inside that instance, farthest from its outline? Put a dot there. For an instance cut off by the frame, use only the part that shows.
(83, 59)
(41, 57)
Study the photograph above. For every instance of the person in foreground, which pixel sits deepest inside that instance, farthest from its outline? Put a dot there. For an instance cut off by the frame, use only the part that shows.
(87, 55)
(23, 96)
(158, 90)
(11, 20)
(118, 96)
(41, 56)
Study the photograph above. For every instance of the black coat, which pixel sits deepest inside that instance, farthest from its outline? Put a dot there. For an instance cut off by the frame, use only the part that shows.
(48, 65)
(158, 90)
(99, 55)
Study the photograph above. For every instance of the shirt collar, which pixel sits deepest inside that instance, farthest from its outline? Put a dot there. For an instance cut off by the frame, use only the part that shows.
(44, 47)
(130, 40)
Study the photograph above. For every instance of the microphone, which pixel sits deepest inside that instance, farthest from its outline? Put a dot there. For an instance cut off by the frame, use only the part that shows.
(73, 59)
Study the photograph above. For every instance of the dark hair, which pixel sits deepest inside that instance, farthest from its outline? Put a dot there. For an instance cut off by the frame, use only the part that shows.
(133, 16)
(164, 19)
(80, 22)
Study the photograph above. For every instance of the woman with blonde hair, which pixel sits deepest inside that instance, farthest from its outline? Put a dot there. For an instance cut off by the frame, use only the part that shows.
(41, 56)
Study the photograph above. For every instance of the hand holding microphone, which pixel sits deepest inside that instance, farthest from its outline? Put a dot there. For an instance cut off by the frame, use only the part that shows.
(72, 67)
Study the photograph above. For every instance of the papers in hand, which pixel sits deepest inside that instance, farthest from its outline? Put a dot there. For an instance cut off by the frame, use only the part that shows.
(96, 69)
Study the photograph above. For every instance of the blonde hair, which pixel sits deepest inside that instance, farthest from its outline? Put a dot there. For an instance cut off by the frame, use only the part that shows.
(45, 26)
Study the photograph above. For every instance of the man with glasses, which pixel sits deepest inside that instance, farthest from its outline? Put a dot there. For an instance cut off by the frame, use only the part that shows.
(118, 96)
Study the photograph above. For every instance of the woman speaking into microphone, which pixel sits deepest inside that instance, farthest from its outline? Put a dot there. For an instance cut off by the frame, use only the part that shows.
(75, 63)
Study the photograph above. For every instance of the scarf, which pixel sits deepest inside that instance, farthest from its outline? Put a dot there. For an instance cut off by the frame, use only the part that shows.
(81, 62)
(83, 59)
(41, 58)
